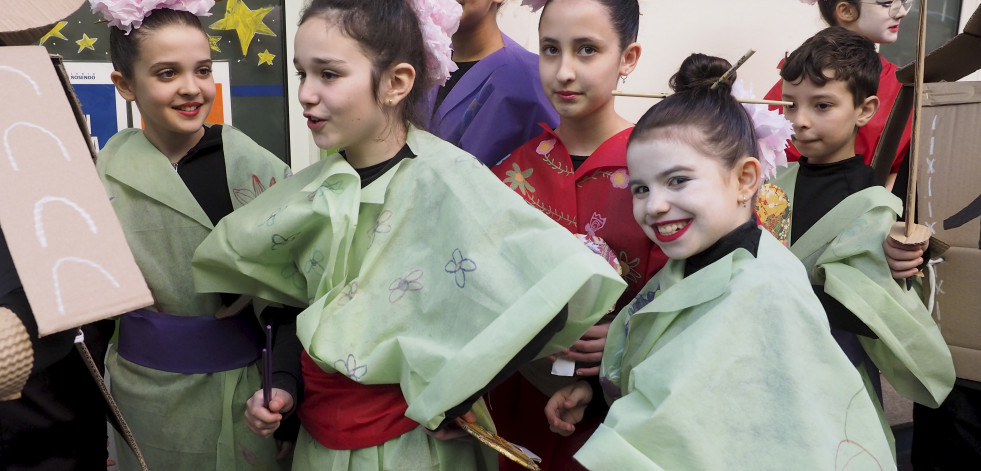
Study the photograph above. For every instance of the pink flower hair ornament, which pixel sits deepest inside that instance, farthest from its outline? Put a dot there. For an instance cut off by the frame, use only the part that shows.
(129, 14)
(772, 132)
(438, 20)
(534, 4)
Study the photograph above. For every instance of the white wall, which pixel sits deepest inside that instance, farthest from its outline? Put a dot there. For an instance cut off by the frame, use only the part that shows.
(670, 30)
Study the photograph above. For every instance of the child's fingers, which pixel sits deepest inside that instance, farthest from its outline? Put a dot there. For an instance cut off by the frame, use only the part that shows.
(588, 371)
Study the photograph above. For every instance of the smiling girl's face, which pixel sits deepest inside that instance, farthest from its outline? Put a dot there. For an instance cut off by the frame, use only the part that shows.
(683, 199)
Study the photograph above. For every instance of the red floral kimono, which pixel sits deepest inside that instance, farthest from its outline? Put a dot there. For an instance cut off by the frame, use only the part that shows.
(594, 199)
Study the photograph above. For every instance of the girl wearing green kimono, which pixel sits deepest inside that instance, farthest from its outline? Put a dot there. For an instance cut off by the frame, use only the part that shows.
(725, 360)
(180, 376)
(424, 279)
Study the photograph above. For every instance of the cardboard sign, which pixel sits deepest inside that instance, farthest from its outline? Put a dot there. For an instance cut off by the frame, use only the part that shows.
(66, 242)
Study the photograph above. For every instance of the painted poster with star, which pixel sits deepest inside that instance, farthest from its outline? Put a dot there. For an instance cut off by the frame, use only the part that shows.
(247, 44)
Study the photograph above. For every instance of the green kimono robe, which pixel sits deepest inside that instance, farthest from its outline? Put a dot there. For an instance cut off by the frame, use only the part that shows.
(843, 253)
(182, 421)
(733, 367)
(432, 277)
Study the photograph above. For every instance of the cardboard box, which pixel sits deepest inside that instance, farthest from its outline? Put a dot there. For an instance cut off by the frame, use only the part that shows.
(66, 242)
(956, 307)
(949, 186)
(949, 202)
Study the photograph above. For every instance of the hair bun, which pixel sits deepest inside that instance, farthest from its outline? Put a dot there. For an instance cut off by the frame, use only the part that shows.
(700, 71)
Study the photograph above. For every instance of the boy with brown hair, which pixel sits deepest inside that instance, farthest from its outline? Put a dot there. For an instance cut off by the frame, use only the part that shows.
(838, 217)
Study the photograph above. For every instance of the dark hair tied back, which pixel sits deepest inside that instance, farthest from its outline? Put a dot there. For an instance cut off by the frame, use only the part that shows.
(700, 71)
(722, 127)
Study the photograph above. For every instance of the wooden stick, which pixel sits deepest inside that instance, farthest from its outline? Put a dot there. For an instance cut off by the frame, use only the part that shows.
(917, 121)
(742, 60)
(741, 100)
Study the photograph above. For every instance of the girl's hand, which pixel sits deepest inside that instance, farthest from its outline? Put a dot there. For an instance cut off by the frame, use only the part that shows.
(451, 431)
(904, 260)
(261, 421)
(566, 407)
(589, 349)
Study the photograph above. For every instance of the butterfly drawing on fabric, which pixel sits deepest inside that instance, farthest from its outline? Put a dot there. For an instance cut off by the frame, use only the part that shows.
(381, 226)
(243, 195)
(316, 261)
(348, 294)
(334, 187)
(351, 368)
(278, 241)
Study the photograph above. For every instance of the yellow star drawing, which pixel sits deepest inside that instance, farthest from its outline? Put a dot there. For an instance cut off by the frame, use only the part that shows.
(266, 57)
(213, 42)
(86, 42)
(55, 32)
(247, 23)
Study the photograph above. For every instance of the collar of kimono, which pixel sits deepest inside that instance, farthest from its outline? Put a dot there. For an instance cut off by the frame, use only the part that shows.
(611, 153)
(698, 288)
(140, 166)
(375, 192)
(841, 217)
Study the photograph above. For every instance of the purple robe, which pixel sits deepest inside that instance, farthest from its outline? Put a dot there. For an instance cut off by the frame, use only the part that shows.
(495, 107)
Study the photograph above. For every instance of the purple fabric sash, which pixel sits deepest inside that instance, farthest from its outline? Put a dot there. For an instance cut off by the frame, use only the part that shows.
(189, 345)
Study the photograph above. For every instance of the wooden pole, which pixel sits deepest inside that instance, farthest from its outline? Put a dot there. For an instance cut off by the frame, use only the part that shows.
(741, 100)
(917, 120)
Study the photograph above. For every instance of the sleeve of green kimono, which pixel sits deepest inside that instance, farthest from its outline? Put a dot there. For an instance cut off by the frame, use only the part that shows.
(741, 380)
(909, 351)
(237, 258)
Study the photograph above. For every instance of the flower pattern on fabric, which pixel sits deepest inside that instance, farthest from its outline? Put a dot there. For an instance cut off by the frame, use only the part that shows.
(348, 294)
(557, 216)
(316, 261)
(620, 178)
(594, 176)
(595, 224)
(458, 266)
(773, 209)
(630, 273)
(601, 248)
(404, 284)
(545, 147)
(244, 195)
(351, 368)
(517, 179)
(381, 226)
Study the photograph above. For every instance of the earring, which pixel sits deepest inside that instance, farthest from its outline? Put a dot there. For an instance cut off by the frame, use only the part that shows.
(623, 79)
(389, 102)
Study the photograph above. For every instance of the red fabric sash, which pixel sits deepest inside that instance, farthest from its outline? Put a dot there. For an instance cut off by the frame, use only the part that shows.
(343, 414)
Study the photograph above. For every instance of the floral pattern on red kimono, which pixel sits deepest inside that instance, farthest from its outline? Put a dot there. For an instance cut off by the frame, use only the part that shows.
(594, 199)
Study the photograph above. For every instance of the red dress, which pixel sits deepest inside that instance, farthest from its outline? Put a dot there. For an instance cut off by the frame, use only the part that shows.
(868, 135)
(594, 199)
